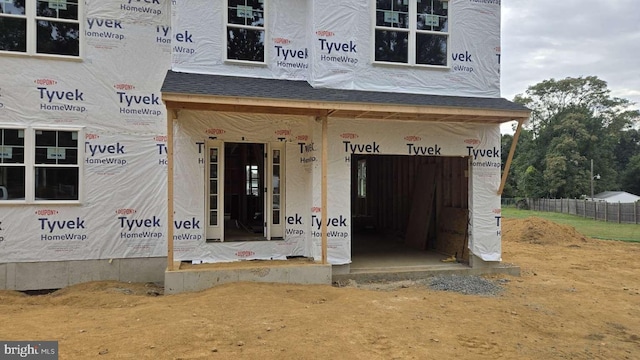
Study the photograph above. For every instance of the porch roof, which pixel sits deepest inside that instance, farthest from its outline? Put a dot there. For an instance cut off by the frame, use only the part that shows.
(288, 97)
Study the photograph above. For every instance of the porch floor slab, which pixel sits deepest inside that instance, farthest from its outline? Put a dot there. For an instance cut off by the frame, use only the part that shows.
(189, 278)
(378, 260)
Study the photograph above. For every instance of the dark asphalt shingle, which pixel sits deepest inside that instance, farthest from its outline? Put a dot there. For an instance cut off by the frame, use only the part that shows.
(205, 84)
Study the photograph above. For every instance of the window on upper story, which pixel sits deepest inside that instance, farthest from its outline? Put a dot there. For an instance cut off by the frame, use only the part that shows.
(40, 164)
(413, 32)
(245, 30)
(35, 27)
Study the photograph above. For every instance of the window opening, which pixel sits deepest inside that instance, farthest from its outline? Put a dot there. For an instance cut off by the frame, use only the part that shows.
(245, 30)
(12, 165)
(41, 27)
(413, 32)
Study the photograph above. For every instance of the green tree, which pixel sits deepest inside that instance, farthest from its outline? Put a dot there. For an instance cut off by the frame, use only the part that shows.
(573, 121)
(628, 146)
(631, 176)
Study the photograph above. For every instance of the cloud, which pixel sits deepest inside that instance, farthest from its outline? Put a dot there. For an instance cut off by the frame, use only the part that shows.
(545, 39)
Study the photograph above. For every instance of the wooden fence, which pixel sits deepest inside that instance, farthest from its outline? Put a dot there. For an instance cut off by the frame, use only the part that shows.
(622, 213)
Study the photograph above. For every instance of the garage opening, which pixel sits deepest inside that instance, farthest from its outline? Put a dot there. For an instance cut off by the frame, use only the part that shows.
(408, 210)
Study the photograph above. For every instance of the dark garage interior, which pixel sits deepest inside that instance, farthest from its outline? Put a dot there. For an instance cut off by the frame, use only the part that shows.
(409, 210)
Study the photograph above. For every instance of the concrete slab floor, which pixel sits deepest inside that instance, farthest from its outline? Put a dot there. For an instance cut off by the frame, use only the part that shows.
(379, 258)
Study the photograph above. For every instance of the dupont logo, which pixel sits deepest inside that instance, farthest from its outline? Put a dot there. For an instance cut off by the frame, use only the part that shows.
(316, 209)
(325, 33)
(245, 253)
(349, 136)
(161, 138)
(412, 138)
(125, 211)
(91, 136)
(46, 212)
(215, 131)
(472, 141)
(282, 41)
(302, 137)
(283, 132)
(124, 86)
(45, 82)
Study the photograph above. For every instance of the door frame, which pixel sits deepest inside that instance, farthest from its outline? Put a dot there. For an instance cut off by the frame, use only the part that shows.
(272, 231)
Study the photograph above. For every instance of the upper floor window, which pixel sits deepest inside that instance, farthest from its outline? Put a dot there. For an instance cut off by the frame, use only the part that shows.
(40, 164)
(414, 32)
(245, 30)
(36, 27)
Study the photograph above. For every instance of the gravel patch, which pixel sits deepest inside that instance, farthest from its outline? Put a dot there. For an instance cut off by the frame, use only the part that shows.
(467, 284)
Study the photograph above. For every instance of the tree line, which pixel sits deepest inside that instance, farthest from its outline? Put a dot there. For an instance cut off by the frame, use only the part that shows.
(574, 121)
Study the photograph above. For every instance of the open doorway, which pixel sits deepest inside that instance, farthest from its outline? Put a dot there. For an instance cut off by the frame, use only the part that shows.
(409, 210)
(244, 191)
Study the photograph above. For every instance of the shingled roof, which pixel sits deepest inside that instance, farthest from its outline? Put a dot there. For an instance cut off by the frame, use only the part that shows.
(226, 93)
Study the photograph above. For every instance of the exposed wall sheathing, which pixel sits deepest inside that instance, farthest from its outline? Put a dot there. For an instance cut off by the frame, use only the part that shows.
(123, 208)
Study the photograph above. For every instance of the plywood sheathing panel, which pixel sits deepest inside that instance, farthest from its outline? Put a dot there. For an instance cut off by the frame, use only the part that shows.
(452, 233)
(422, 206)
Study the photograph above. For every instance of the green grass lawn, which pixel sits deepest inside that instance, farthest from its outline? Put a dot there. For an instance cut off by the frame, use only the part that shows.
(588, 227)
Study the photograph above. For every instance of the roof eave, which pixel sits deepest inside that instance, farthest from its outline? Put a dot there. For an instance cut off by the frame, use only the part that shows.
(372, 111)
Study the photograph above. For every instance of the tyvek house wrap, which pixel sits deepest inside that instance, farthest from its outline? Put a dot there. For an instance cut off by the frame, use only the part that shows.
(330, 44)
(303, 178)
(116, 105)
(128, 50)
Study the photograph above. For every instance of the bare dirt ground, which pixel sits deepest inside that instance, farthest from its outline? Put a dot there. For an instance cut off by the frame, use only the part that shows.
(577, 298)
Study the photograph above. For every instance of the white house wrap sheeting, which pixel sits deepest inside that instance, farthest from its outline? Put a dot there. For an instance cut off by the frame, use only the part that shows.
(129, 46)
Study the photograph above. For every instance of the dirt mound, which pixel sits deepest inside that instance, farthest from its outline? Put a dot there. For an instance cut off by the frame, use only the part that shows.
(10, 296)
(95, 294)
(536, 230)
(106, 294)
(109, 287)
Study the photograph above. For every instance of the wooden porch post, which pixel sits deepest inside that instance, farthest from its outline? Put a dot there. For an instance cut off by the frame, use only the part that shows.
(323, 195)
(171, 115)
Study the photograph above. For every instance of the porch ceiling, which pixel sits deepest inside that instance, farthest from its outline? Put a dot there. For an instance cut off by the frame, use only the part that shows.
(286, 97)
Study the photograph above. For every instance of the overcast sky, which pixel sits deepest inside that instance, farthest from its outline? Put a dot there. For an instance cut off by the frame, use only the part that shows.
(543, 39)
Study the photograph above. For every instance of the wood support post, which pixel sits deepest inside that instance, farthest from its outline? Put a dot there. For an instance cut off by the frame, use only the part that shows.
(171, 115)
(507, 166)
(323, 195)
